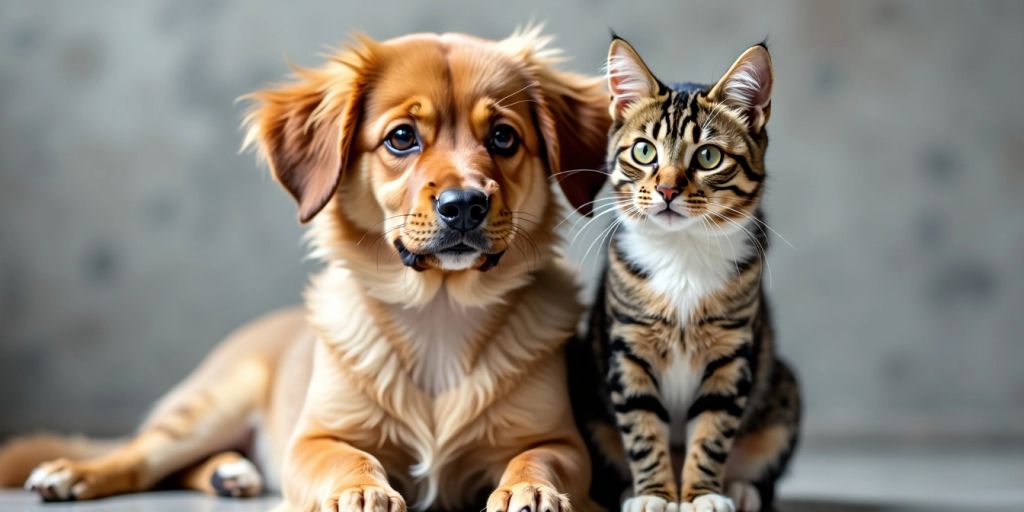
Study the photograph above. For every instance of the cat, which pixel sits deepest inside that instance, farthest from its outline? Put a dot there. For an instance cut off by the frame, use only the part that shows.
(676, 384)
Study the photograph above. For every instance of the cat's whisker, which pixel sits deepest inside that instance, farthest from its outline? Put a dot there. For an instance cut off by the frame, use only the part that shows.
(600, 237)
(614, 197)
(609, 209)
(575, 171)
(610, 202)
(755, 219)
(594, 202)
(761, 250)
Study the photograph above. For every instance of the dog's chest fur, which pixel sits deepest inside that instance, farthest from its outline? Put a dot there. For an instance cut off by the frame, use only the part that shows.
(440, 336)
(437, 383)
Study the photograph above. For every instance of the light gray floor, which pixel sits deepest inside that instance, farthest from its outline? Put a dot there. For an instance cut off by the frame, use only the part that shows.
(822, 480)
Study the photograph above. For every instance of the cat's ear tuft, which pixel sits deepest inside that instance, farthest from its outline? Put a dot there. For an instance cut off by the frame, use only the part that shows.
(629, 79)
(747, 87)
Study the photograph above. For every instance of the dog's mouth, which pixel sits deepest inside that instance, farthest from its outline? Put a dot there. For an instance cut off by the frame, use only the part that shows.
(459, 248)
(458, 256)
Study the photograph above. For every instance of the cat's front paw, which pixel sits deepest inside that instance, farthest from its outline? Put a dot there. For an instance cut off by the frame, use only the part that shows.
(709, 503)
(649, 504)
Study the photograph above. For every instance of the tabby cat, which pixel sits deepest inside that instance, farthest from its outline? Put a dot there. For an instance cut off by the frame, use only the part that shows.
(693, 406)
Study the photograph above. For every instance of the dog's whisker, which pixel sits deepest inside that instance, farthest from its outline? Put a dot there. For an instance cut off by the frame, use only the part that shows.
(527, 238)
(368, 232)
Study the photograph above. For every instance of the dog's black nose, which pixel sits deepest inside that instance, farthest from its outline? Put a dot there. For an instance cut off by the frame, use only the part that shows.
(462, 208)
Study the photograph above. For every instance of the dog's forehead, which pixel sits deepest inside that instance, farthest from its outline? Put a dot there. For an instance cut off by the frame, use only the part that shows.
(444, 68)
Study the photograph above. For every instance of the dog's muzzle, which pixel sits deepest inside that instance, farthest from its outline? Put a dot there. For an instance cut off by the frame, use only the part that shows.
(420, 262)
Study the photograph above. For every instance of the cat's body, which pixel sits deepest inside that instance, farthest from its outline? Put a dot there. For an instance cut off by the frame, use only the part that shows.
(693, 408)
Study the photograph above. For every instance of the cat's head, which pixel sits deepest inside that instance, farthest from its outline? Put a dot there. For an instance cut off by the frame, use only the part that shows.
(689, 155)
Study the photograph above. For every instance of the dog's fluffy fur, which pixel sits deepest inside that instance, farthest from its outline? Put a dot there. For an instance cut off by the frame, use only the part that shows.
(439, 382)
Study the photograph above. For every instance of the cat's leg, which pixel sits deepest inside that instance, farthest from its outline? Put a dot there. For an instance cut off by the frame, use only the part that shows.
(715, 421)
(763, 449)
(643, 423)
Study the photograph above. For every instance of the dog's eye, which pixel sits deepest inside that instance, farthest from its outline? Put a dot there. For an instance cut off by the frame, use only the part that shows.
(402, 140)
(504, 140)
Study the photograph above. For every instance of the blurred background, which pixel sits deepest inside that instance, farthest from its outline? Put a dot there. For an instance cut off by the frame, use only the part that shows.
(133, 236)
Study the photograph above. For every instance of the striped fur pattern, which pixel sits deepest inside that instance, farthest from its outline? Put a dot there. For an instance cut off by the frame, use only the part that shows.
(694, 407)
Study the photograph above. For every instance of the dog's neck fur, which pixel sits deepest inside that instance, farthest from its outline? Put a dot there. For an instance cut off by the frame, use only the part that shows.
(441, 337)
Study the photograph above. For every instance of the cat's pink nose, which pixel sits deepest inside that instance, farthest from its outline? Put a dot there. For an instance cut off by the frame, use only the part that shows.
(667, 191)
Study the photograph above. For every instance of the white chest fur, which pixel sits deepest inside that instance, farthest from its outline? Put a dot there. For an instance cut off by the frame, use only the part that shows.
(678, 387)
(688, 264)
(439, 335)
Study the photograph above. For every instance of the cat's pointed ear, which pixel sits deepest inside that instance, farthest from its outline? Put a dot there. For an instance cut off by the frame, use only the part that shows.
(747, 87)
(629, 79)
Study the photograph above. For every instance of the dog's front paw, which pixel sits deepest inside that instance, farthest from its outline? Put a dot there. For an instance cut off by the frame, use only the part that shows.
(365, 498)
(58, 480)
(237, 479)
(709, 503)
(527, 497)
(649, 504)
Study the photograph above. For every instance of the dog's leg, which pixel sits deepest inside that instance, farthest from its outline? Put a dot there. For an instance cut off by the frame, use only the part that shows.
(227, 474)
(327, 474)
(543, 478)
(206, 416)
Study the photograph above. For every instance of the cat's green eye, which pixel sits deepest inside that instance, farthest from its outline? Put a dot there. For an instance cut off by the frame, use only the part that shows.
(708, 157)
(644, 152)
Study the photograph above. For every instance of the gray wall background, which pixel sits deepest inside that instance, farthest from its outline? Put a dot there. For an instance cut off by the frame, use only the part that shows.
(133, 236)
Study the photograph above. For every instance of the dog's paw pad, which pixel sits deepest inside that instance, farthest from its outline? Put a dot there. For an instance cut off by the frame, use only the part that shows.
(55, 481)
(237, 479)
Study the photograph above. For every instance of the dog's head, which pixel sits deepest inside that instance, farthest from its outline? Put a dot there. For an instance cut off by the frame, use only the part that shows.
(442, 146)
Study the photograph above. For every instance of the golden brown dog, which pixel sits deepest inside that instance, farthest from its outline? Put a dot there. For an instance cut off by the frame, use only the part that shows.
(427, 365)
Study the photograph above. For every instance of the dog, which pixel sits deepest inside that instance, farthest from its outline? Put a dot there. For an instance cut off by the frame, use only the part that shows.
(427, 365)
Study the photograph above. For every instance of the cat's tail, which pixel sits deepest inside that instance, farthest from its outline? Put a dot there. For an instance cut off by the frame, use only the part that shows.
(20, 455)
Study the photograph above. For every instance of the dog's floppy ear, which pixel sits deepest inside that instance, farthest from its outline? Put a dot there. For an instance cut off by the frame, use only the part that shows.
(575, 130)
(305, 129)
(572, 114)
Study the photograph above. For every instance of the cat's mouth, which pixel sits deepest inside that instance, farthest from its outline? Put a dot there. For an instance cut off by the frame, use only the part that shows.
(668, 213)
(672, 219)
